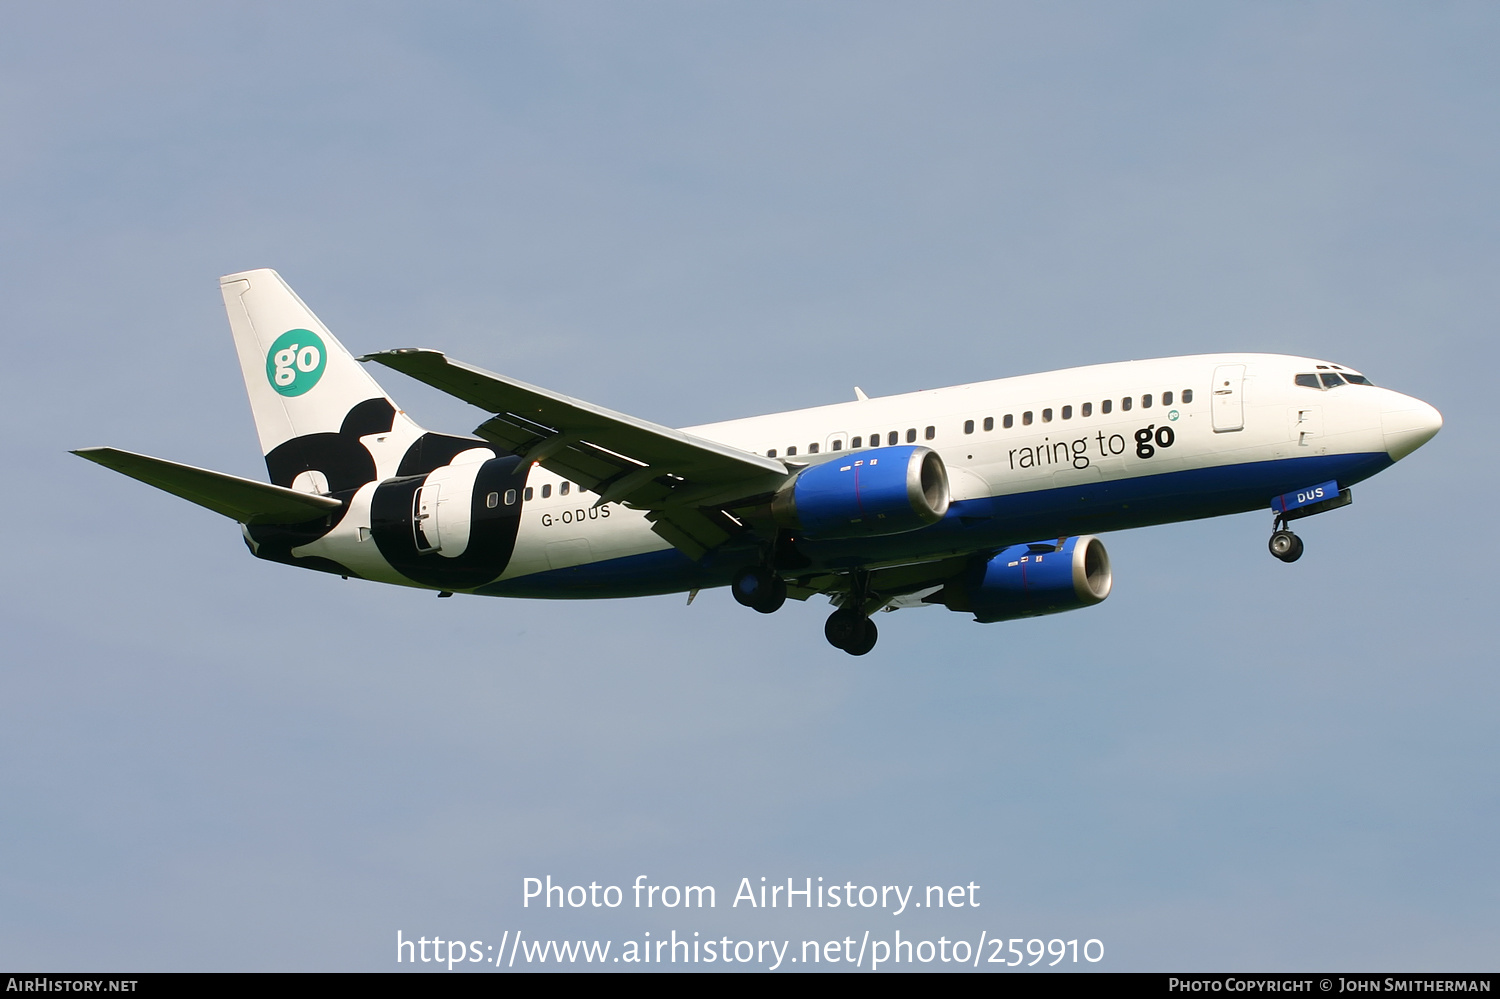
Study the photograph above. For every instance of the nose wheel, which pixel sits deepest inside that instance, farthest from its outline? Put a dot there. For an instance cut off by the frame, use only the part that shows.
(1285, 545)
(758, 588)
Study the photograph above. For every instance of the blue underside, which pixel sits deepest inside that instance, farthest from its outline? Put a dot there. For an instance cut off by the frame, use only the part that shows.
(975, 525)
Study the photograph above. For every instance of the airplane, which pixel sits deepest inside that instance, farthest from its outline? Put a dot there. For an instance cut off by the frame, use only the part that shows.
(984, 498)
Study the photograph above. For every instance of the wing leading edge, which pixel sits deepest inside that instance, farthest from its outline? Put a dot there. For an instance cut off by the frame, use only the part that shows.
(685, 483)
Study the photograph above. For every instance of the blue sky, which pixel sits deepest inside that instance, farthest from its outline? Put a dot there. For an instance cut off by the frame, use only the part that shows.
(696, 212)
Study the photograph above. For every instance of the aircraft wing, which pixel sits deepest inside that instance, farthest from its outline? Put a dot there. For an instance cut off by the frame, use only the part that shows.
(682, 480)
(244, 500)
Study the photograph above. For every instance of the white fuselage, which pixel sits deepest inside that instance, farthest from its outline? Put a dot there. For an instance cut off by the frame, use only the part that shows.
(999, 440)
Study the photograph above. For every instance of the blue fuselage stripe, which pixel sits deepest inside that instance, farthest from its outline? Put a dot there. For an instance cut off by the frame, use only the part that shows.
(976, 525)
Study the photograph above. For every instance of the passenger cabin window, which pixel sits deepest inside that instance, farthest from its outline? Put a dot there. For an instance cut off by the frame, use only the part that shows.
(1087, 410)
(857, 443)
(1046, 416)
(911, 435)
(510, 497)
(838, 445)
(791, 451)
(929, 433)
(1187, 396)
(771, 453)
(1010, 421)
(812, 449)
(492, 500)
(526, 494)
(989, 422)
(1146, 401)
(1026, 418)
(892, 438)
(562, 490)
(1126, 403)
(1067, 413)
(968, 426)
(547, 490)
(1166, 398)
(1106, 406)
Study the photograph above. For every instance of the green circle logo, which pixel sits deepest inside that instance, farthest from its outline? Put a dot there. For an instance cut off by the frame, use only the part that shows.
(1172, 415)
(295, 362)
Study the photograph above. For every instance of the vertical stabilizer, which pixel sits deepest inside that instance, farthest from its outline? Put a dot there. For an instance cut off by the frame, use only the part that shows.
(318, 413)
(300, 379)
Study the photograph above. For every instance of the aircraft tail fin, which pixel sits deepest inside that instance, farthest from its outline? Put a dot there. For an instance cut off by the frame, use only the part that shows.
(312, 401)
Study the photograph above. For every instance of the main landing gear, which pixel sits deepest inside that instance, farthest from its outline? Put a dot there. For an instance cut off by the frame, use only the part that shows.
(762, 588)
(848, 628)
(759, 588)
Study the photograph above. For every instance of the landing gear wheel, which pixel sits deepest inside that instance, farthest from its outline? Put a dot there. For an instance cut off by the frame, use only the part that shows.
(1286, 546)
(759, 589)
(866, 640)
(841, 628)
(851, 631)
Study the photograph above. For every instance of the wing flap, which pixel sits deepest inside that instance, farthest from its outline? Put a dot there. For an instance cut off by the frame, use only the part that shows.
(244, 500)
(585, 464)
(694, 532)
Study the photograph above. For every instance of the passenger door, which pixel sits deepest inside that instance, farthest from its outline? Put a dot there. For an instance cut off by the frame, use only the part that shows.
(1229, 403)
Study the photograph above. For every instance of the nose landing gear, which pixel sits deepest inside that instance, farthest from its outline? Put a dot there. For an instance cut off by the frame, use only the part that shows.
(1285, 545)
(1299, 503)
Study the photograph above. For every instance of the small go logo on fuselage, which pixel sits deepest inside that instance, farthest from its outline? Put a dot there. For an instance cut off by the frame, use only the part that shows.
(295, 362)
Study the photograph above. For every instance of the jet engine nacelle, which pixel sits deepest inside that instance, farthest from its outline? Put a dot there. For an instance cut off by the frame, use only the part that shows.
(1031, 580)
(454, 526)
(887, 490)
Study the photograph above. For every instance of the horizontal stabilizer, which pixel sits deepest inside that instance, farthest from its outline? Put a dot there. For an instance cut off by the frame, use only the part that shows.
(244, 500)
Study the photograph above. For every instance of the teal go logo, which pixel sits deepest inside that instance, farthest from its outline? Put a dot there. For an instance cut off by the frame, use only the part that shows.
(295, 362)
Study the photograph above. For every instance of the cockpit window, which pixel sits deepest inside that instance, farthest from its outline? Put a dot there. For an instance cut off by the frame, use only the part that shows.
(1331, 380)
(1308, 381)
(1354, 379)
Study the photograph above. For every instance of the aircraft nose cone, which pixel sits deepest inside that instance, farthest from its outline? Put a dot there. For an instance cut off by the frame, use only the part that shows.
(1408, 424)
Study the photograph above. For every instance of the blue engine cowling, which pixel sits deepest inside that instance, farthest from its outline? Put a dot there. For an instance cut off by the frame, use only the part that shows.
(885, 490)
(1030, 580)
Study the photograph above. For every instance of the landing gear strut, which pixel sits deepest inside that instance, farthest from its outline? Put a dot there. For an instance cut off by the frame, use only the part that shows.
(1284, 544)
(758, 588)
(847, 627)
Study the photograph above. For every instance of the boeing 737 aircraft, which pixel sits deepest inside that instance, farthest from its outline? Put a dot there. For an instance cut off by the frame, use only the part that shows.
(983, 498)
